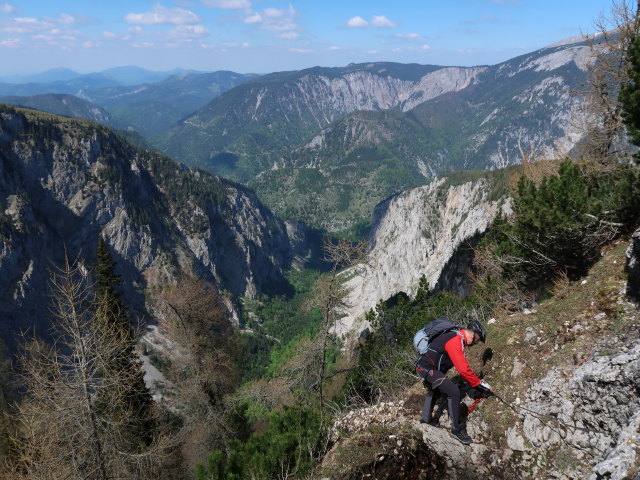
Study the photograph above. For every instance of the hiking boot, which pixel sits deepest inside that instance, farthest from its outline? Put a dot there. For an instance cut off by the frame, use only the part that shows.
(461, 436)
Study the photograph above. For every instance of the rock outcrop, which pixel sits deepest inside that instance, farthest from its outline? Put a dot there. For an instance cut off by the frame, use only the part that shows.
(591, 411)
(633, 266)
(417, 233)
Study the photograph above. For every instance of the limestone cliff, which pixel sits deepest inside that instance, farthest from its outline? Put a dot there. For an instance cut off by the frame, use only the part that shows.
(416, 233)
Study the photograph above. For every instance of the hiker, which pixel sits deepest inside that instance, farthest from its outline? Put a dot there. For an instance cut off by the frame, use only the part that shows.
(446, 350)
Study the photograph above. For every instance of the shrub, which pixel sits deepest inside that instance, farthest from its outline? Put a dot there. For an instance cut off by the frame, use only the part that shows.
(561, 224)
(290, 445)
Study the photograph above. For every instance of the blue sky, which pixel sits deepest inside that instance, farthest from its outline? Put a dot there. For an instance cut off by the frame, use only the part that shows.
(262, 36)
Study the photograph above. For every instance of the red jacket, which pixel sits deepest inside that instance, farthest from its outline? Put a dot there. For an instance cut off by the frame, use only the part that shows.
(455, 350)
(446, 351)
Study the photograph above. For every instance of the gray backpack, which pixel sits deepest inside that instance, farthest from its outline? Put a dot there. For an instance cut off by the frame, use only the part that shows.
(431, 330)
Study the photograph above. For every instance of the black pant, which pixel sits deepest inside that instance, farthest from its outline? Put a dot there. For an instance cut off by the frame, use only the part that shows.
(438, 383)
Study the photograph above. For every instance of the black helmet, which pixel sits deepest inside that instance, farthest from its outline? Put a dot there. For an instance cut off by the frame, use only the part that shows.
(476, 327)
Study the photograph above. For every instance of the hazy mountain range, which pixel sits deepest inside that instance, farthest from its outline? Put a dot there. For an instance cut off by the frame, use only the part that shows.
(129, 75)
(135, 98)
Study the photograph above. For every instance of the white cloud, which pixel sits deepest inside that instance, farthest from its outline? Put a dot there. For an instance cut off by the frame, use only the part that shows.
(253, 18)
(224, 46)
(67, 19)
(160, 15)
(300, 50)
(334, 47)
(144, 45)
(189, 31)
(25, 25)
(275, 19)
(89, 44)
(27, 20)
(372, 52)
(236, 44)
(6, 8)
(228, 4)
(382, 21)
(107, 34)
(409, 36)
(357, 22)
(10, 43)
(288, 35)
(47, 26)
(425, 47)
(376, 21)
(137, 30)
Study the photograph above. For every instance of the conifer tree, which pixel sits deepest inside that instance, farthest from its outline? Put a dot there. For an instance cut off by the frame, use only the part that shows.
(113, 319)
(630, 92)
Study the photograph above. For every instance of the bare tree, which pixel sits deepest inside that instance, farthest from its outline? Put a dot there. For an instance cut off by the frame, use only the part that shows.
(5, 413)
(204, 363)
(329, 296)
(63, 432)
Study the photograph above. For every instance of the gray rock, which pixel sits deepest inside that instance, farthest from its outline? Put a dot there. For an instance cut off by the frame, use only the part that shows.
(633, 266)
(415, 233)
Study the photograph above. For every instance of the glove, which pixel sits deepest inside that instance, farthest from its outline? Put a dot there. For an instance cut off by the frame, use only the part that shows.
(476, 393)
(484, 386)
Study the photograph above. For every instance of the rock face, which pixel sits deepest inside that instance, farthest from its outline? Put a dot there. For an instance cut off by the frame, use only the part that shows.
(64, 182)
(292, 104)
(417, 233)
(633, 266)
(285, 109)
(591, 411)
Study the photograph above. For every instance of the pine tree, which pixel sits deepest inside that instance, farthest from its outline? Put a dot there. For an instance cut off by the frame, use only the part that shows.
(630, 92)
(113, 319)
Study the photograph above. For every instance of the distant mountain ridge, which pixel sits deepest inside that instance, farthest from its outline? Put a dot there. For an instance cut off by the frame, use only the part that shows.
(264, 118)
(151, 108)
(126, 75)
(149, 102)
(65, 105)
(324, 145)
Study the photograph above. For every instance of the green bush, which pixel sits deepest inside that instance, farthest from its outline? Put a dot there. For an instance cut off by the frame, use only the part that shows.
(561, 224)
(292, 443)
